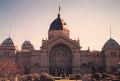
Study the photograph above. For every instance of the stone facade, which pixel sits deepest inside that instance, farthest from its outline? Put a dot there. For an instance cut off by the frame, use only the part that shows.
(59, 53)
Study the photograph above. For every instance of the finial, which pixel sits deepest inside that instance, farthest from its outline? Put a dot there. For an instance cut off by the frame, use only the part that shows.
(25, 36)
(59, 3)
(78, 39)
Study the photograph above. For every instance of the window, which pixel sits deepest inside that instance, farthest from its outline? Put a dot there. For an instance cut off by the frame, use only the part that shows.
(113, 54)
(119, 54)
(52, 36)
(6, 53)
(49, 37)
(36, 65)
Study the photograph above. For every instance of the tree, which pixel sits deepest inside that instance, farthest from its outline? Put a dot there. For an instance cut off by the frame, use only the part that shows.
(7, 66)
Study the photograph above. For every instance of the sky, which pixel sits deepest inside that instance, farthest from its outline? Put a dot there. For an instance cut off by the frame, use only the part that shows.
(88, 20)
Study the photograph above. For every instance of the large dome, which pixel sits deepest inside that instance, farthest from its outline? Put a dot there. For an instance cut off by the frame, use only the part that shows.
(27, 45)
(8, 43)
(58, 24)
(111, 43)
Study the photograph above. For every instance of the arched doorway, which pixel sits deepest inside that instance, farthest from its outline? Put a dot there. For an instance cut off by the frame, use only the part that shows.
(26, 69)
(60, 60)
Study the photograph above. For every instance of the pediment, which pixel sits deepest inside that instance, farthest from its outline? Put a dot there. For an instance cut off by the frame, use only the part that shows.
(65, 40)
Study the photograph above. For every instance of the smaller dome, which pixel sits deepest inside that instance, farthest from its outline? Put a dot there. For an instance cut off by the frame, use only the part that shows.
(27, 46)
(111, 43)
(8, 43)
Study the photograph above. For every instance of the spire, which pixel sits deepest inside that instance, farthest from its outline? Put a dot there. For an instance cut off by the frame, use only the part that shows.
(88, 48)
(110, 31)
(78, 39)
(59, 12)
(59, 9)
(10, 31)
(59, 3)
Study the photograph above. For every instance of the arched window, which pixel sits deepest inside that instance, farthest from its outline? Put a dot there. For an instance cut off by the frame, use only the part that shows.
(36, 65)
(49, 37)
(84, 65)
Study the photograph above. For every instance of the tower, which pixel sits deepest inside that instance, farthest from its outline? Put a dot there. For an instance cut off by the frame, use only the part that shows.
(110, 51)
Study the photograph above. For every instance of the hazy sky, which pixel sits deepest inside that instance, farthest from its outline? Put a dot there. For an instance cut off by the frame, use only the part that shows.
(89, 20)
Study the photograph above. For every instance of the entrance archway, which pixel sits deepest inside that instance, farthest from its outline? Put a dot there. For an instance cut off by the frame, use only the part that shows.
(60, 60)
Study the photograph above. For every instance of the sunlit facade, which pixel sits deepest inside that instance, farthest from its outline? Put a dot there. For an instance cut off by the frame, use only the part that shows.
(59, 53)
